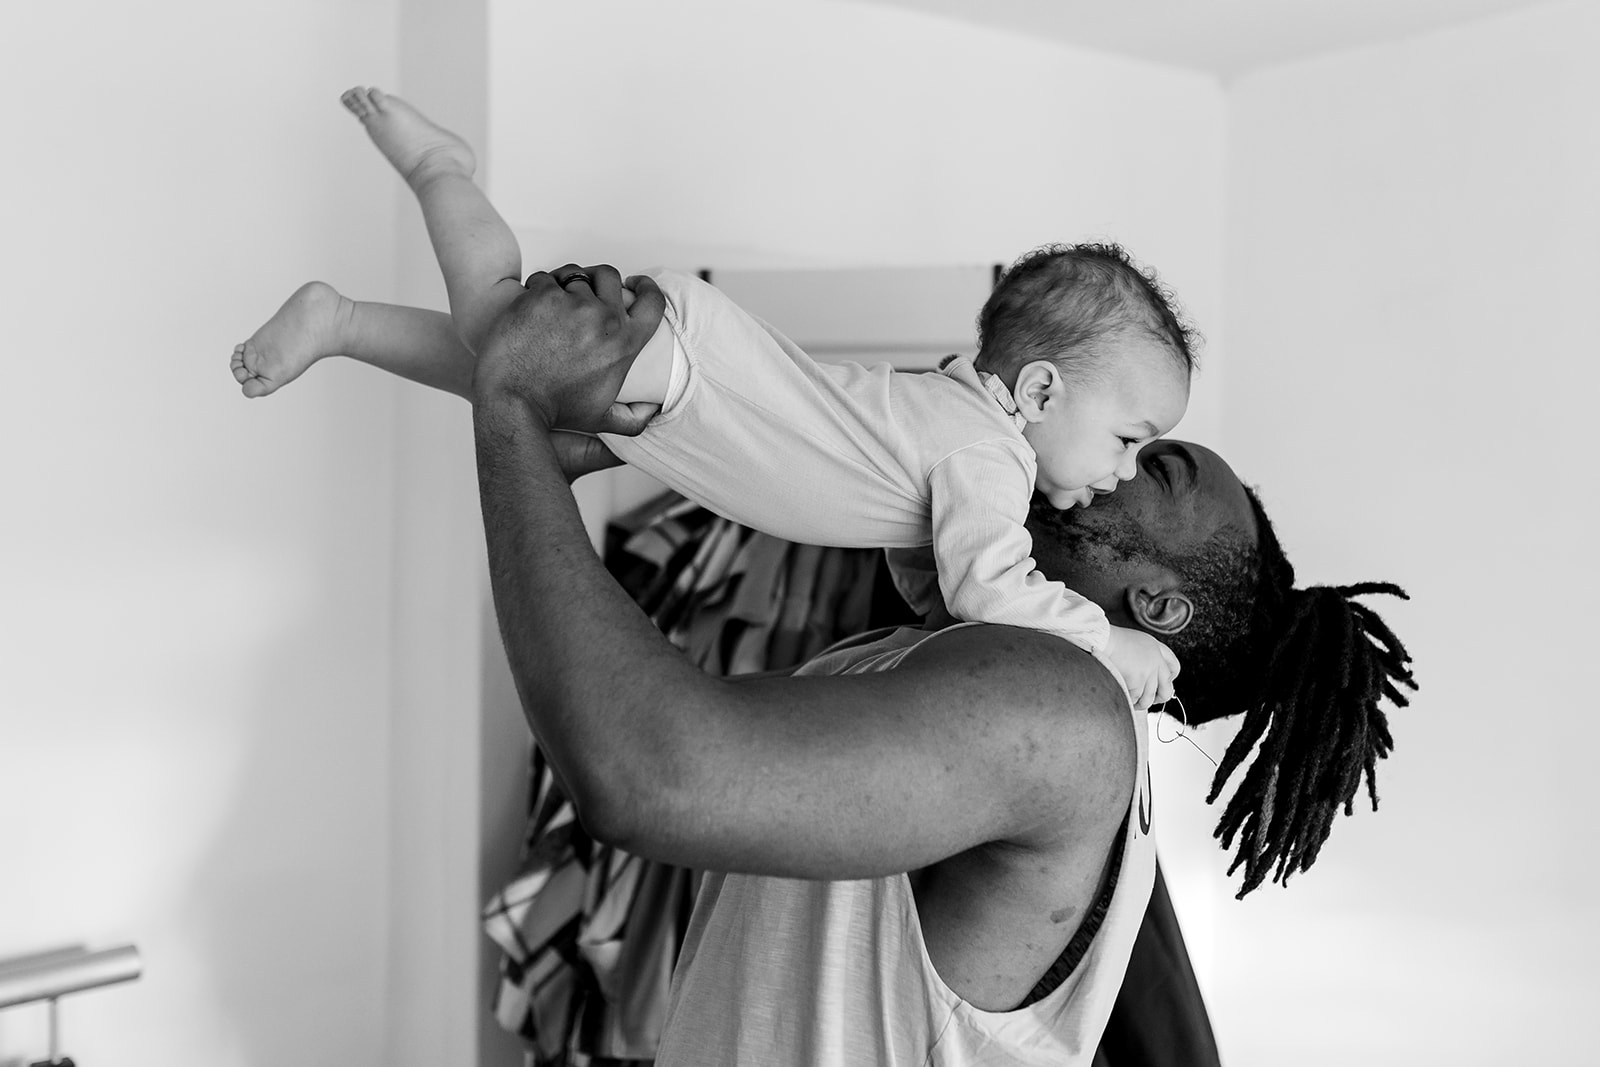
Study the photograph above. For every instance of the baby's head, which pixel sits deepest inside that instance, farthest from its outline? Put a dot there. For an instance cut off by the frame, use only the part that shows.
(1094, 352)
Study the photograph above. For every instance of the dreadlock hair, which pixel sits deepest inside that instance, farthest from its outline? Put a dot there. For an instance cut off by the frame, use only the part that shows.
(1308, 668)
(1061, 303)
(1310, 671)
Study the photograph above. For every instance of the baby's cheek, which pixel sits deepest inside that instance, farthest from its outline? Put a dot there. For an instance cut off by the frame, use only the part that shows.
(627, 298)
(1062, 474)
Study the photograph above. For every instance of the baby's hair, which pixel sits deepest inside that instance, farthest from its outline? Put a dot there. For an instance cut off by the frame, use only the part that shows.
(1061, 302)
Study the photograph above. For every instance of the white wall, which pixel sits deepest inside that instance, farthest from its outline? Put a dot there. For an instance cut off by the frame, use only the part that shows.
(821, 133)
(1410, 291)
(194, 589)
(457, 789)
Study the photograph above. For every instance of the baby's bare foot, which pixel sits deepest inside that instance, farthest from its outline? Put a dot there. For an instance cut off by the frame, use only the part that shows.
(417, 147)
(304, 330)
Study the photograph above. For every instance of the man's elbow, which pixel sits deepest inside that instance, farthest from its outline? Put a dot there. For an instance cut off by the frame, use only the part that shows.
(608, 805)
(626, 804)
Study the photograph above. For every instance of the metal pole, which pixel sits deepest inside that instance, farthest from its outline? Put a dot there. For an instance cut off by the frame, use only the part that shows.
(50, 975)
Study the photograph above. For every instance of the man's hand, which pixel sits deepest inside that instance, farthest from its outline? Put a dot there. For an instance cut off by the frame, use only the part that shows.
(580, 454)
(1146, 665)
(565, 350)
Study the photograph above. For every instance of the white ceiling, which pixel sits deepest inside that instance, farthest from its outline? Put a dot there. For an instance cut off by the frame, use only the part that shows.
(1224, 37)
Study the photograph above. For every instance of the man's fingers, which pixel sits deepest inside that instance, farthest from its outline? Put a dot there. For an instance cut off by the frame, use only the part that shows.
(541, 279)
(628, 420)
(649, 302)
(565, 274)
(606, 281)
(580, 454)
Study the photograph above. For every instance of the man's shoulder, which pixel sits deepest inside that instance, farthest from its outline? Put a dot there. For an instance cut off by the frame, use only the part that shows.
(1050, 719)
(1045, 691)
(1020, 660)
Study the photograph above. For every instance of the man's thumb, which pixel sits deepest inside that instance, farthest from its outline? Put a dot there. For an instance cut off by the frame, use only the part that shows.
(628, 420)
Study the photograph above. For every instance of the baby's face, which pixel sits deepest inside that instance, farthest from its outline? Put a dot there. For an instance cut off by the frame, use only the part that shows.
(1087, 436)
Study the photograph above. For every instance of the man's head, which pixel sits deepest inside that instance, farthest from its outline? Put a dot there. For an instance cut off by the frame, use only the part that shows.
(1186, 552)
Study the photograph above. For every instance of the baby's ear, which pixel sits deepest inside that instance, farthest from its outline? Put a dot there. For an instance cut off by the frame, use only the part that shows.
(1036, 386)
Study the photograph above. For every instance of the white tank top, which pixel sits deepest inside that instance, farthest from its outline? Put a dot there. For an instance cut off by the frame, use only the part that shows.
(781, 971)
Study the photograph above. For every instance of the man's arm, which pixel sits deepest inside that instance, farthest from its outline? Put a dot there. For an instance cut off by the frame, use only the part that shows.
(982, 734)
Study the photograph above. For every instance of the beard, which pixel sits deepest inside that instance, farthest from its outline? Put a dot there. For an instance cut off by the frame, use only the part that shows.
(1100, 537)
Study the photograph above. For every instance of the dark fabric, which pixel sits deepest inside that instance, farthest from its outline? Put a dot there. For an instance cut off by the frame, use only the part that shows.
(1159, 1019)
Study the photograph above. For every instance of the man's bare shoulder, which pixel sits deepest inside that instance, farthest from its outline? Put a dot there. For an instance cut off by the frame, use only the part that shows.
(1021, 665)
(1053, 699)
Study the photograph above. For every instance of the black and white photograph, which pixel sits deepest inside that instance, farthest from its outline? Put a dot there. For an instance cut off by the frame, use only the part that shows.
(799, 533)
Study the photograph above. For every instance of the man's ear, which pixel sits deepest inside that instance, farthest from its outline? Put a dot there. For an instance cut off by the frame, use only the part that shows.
(1159, 608)
(1037, 384)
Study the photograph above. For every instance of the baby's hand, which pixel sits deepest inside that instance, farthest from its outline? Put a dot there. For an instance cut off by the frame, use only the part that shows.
(1147, 665)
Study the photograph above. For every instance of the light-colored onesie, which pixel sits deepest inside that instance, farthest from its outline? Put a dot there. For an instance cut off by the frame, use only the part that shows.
(841, 454)
(792, 972)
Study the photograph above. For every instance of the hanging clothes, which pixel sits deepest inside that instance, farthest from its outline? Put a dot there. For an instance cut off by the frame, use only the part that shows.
(589, 934)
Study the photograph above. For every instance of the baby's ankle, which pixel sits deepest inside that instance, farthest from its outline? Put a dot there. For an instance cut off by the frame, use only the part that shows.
(434, 167)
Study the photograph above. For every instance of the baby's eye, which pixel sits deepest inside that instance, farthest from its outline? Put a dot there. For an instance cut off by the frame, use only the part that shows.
(1128, 442)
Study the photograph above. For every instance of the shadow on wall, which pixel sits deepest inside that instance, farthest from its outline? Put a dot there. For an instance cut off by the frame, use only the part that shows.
(505, 744)
(285, 912)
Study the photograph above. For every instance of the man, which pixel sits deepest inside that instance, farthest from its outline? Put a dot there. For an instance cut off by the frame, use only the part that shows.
(938, 843)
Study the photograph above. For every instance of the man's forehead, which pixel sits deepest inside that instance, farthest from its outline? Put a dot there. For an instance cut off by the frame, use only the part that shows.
(1219, 488)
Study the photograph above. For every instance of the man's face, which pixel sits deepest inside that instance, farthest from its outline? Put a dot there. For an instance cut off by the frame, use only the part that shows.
(1182, 494)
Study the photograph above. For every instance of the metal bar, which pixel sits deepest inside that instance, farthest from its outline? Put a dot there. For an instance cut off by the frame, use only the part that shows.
(34, 959)
(55, 974)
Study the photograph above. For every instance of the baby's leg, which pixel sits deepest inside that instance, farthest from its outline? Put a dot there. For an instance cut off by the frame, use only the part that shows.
(317, 322)
(477, 251)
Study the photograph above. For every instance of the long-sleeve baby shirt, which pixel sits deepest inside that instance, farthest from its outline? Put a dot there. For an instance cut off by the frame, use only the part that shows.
(856, 456)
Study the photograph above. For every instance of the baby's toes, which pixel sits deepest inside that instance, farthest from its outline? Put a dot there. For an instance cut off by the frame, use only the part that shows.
(355, 100)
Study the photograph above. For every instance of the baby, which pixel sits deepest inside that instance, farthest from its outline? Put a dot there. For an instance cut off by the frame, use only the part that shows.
(1081, 362)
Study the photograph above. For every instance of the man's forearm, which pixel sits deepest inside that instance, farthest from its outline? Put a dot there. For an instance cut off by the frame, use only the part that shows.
(598, 683)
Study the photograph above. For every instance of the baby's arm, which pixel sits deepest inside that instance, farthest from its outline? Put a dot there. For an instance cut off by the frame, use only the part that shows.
(316, 322)
(979, 498)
